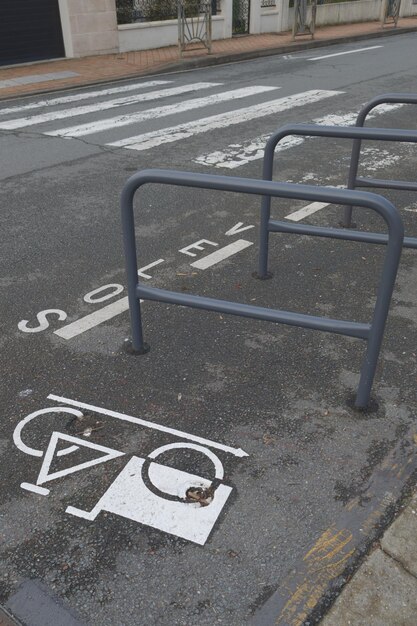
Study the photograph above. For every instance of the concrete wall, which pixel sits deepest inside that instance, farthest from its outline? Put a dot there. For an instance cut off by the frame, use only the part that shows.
(89, 27)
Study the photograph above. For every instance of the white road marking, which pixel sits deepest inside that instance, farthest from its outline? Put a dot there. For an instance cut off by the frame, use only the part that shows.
(156, 112)
(312, 208)
(129, 497)
(237, 228)
(339, 54)
(180, 445)
(35, 489)
(196, 246)
(43, 321)
(44, 475)
(238, 116)
(236, 155)
(136, 420)
(306, 211)
(91, 296)
(221, 254)
(17, 434)
(93, 319)
(83, 96)
(102, 106)
(141, 272)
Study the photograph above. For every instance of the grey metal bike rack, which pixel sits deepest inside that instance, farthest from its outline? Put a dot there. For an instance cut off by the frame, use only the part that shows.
(372, 333)
(353, 179)
(312, 130)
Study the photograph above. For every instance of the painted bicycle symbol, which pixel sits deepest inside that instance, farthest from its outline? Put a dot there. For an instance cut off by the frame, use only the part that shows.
(146, 490)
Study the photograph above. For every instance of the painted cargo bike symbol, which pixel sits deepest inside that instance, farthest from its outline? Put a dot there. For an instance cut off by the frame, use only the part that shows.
(145, 491)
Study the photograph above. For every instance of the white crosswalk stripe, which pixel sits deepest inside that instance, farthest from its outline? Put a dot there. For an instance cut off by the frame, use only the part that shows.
(236, 155)
(88, 109)
(170, 109)
(102, 106)
(149, 140)
(78, 97)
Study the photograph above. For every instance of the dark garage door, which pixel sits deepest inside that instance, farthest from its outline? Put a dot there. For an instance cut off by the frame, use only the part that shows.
(30, 30)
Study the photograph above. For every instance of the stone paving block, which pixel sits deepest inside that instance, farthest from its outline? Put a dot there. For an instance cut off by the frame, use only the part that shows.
(34, 605)
(7, 83)
(381, 593)
(400, 540)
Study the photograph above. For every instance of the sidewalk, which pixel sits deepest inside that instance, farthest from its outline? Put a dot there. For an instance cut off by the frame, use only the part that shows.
(383, 592)
(50, 76)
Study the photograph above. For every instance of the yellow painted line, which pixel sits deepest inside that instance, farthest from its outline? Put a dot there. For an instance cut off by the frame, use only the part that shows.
(334, 552)
(325, 560)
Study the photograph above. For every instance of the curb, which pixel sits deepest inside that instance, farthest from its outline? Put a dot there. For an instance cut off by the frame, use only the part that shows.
(224, 58)
(309, 591)
(6, 619)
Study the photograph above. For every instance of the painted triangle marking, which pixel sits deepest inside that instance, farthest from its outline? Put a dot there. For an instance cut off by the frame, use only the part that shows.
(43, 477)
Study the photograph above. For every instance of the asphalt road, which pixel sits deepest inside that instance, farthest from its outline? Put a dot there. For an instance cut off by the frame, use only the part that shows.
(264, 408)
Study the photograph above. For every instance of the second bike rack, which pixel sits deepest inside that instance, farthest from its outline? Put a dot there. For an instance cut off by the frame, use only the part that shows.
(375, 183)
(372, 333)
(312, 130)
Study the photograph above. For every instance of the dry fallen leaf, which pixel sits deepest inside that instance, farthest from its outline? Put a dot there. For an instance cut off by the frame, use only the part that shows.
(198, 494)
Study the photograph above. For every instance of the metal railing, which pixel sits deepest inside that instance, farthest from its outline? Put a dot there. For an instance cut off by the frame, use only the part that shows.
(357, 181)
(194, 24)
(301, 26)
(390, 12)
(372, 333)
(344, 132)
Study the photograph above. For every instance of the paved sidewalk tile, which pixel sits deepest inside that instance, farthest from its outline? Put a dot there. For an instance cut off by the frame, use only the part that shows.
(381, 593)
(400, 540)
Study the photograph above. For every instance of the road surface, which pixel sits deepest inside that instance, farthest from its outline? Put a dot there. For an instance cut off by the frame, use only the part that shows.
(99, 447)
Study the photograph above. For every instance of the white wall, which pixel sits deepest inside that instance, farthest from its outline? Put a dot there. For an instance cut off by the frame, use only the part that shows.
(271, 20)
(408, 8)
(149, 35)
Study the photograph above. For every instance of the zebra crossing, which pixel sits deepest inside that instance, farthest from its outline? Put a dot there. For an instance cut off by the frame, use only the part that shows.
(236, 155)
(117, 116)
